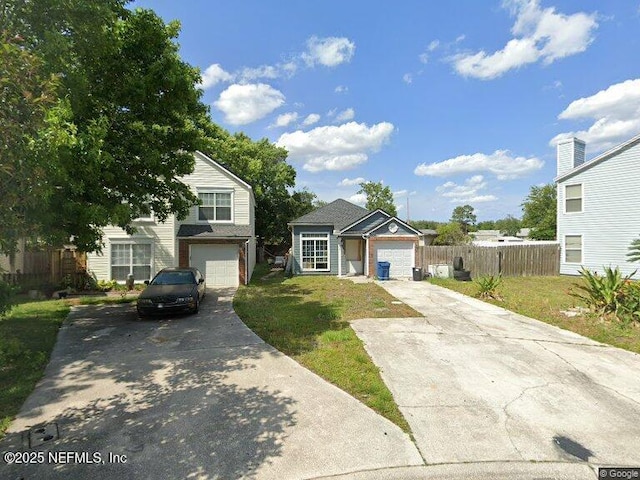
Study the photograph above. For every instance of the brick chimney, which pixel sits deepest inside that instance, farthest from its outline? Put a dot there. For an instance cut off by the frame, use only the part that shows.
(570, 154)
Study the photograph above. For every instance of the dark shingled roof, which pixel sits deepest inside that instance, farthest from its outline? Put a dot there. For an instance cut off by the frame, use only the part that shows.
(214, 231)
(338, 213)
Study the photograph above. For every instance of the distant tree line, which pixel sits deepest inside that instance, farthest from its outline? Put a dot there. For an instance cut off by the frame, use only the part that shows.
(539, 215)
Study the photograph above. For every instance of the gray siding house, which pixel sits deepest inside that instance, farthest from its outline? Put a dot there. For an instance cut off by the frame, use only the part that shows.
(598, 206)
(341, 238)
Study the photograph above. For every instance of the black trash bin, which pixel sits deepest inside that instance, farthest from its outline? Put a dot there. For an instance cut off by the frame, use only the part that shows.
(417, 274)
(383, 270)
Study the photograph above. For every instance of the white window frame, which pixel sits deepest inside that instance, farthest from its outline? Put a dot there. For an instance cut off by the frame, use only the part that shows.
(581, 198)
(215, 191)
(131, 242)
(315, 237)
(581, 249)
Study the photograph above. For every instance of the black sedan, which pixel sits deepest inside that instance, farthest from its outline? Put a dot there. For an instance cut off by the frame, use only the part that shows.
(172, 290)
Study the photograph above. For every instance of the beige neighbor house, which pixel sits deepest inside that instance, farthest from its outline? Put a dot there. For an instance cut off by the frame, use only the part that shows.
(217, 237)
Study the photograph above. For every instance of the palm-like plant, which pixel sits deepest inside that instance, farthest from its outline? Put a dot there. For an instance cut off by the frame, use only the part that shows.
(634, 251)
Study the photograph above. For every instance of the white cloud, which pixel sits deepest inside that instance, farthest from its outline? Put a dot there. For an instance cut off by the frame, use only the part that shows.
(311, 119)
(341, 89)
(501, 163)
(407, 78)
(468, 192)
(615, 112)
(330, 51)
(358, 199)
(263, 71)
(350, 182)
(433, 45)
(243, 104)
(539, 34)
(345, 115)
(400, 193)
(213, 75)
(335, 147)
(285, 119)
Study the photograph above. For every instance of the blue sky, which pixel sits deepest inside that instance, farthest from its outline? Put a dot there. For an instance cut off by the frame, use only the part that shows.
(447, 103)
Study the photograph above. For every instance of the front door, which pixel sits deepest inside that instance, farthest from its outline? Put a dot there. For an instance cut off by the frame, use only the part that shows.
(353, 254)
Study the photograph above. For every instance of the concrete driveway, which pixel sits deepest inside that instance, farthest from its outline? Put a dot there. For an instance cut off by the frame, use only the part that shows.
(501, 395)
(198, 397)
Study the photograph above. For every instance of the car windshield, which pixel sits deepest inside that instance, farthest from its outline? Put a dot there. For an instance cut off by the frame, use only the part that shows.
(174, 278)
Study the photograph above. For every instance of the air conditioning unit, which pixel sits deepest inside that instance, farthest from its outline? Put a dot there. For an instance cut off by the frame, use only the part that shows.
(440, 270)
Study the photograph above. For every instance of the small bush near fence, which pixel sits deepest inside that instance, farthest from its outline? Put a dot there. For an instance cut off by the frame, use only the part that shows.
(504, 260)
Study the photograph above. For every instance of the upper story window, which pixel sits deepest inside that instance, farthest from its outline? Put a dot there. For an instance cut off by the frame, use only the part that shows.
(573, 198)
(215, 206)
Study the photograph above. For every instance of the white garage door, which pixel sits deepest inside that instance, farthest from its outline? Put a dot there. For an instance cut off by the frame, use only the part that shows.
(218, 263)
(399, 254)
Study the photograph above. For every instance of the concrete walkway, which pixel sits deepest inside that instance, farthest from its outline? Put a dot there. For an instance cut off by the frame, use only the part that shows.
(198, 397)
(499, 395)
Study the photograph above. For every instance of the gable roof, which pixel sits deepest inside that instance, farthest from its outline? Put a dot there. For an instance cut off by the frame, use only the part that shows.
(405, 225)
(223, 169)
(338, 213)
(599, 159)
(362, 219)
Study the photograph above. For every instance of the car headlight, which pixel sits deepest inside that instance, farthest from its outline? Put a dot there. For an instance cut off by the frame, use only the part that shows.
(144, 301)
(183, 299)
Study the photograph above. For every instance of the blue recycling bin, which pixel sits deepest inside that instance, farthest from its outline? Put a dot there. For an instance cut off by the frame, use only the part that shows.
(383, 270)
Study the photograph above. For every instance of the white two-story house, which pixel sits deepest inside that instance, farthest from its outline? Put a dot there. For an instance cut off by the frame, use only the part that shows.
(598, 206)
(217, 237)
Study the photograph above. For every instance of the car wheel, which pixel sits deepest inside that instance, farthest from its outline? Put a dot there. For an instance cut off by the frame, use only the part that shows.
(197, 307)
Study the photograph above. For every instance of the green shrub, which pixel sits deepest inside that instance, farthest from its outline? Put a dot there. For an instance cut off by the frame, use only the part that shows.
(7, 292)
(488, 287)
(629, 310)
(107, 285)
(603, 293)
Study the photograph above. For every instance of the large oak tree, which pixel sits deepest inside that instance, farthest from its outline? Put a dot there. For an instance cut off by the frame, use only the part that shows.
(124, 126)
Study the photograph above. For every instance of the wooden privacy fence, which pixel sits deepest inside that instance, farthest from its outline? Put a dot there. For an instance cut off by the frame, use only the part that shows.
(508, 260)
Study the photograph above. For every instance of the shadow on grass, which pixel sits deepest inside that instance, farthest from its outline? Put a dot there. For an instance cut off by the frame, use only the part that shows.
(165, 392)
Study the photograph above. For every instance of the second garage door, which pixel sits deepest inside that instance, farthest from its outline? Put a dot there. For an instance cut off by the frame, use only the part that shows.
(218, 263)
(399, 254)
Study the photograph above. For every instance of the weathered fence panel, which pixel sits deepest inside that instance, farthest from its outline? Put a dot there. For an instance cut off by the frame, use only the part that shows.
(508, 260)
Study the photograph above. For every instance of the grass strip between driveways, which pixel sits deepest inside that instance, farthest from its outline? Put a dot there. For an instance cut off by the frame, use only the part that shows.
(544, 298)
(27, 336)
(307, 318)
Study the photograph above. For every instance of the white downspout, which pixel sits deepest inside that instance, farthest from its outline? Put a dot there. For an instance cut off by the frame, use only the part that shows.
(246, 262)
(339, 257)
(366, 254)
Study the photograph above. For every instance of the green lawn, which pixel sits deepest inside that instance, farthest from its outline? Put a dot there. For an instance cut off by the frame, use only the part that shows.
(543, 298)
(27, 336)
(307, 318)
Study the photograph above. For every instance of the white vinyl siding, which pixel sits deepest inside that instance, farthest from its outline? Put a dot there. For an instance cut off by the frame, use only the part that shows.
(215, 206)
(205, 177)
(573, 198)
(160, 235)
(314, 250)
(610, 219)
(573, 248)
